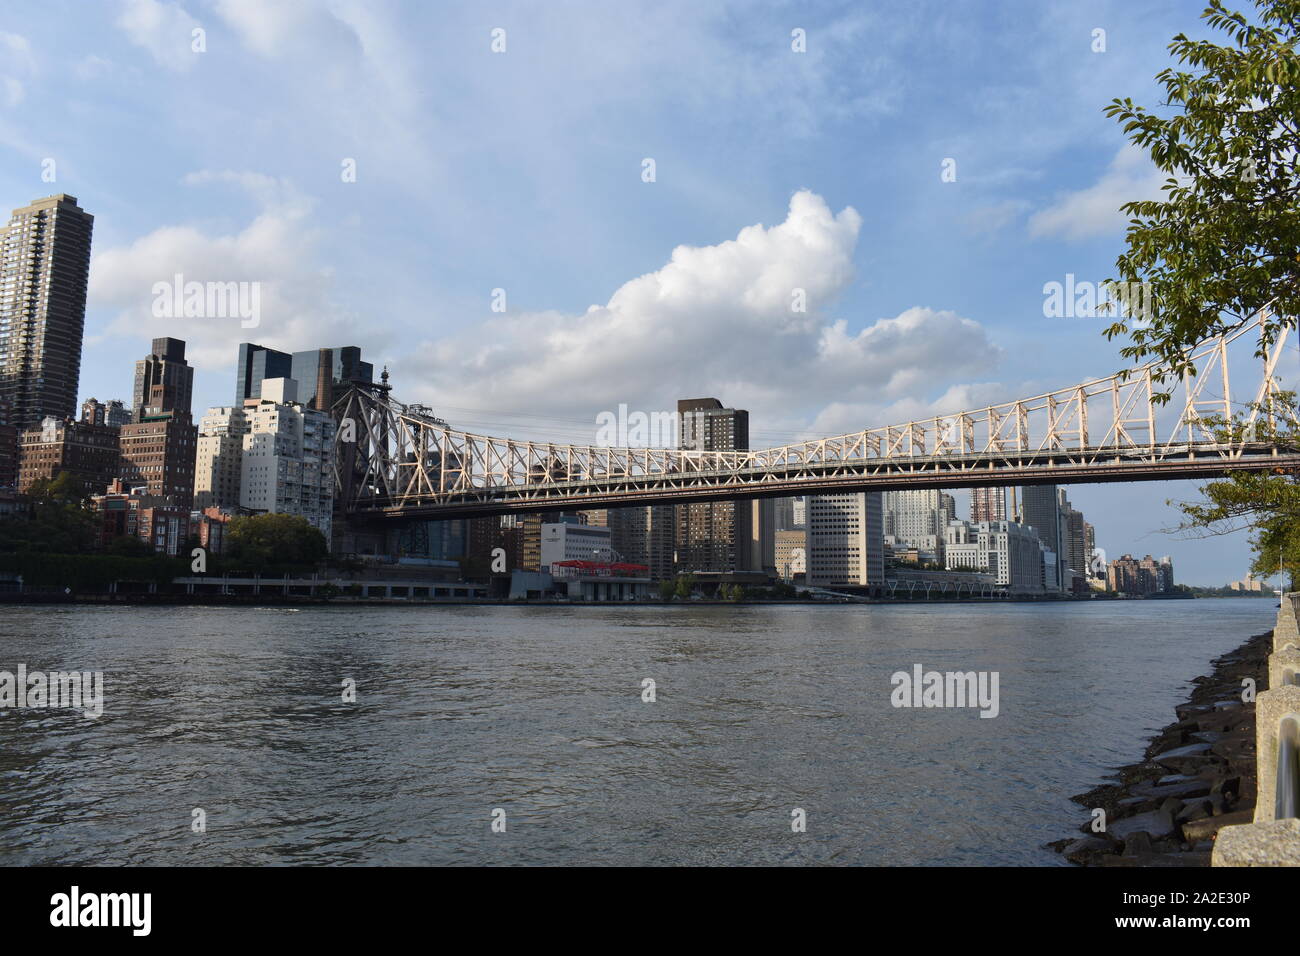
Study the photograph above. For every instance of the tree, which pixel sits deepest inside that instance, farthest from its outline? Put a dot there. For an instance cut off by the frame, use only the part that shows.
(265, 540)
(129, 546)
(685, 584)
(1268, 503)
(57, 519)
(667, 587)
(1224, 241)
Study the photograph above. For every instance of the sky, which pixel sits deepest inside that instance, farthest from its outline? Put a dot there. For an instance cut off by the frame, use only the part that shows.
(463, 190)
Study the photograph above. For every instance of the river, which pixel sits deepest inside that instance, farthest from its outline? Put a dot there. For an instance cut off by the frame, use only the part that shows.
(538, 712)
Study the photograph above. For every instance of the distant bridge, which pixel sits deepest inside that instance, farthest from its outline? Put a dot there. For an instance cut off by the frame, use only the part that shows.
(399, 461)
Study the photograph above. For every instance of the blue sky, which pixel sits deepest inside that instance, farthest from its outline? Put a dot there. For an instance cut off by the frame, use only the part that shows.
(522, 171)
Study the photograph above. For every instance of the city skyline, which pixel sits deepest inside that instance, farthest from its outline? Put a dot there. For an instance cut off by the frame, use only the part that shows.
(915, 308)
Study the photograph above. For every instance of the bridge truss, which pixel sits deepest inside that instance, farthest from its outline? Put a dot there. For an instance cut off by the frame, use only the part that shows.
(396, 460)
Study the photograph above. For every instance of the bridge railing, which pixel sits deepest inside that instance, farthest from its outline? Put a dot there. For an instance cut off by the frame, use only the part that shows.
(1274, 837)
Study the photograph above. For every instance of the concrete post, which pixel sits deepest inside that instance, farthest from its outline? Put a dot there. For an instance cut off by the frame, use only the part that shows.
(1276, 843)
(1284, 667)
(1271, 707)
(1286, 631)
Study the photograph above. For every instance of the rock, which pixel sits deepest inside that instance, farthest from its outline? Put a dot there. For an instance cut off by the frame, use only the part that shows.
(1087, 849)
(1195, 810)
(1138, 843)
(1227, 785)
(1197, 830)
(1191, 750)
(1185, 788)
(1187, 710)
(1172, 806)
(1155, 822)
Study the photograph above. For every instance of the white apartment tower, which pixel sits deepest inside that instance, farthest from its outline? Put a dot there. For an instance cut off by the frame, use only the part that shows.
(218, 466)
(287, 462)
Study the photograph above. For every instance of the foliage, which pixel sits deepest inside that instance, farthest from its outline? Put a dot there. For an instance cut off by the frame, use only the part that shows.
(685, 584)
(129, 546)
(667, 588)
(270, 540)
(1266, 502)
(57, 520)
(1224, 239)
(89, 572)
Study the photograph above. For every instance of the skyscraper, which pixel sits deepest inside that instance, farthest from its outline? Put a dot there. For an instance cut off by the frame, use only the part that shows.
(257, 363)
(918, 518)
(323, 374)
(1041, 510)
(166, 370)
(721, 537)
(287, 460)
(44, 264)
(845, 543)
(988, 504)
(158, 445)
(219, 457)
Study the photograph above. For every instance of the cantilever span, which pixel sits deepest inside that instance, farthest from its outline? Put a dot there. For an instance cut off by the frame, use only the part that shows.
(399, 461)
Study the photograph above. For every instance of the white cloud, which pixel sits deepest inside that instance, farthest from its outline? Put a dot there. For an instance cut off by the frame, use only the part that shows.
(1095, 211)
(17, 63)
(277, 249)
(715, 320)
(164, 29)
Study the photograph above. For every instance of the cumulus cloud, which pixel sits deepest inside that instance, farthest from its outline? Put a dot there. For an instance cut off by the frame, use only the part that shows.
(165, 30)
(714, 320)
(277, 250)
(1095, 211)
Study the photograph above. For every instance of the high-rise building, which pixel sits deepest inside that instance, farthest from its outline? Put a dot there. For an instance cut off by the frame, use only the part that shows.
(116, 413)
(1009, 551)
(783, 514)
(158, 444)
(988, 504)
(164, 381)
(1078, 554)
(721, 537)
(158, 453)
(917, 518)
(44, 265)
(287, 464)
(1148, 576)
(1041, 510)
(845, 542)
(324, 374)
(799, 511)
(90, 453)
(219, 457)
(644, 535)
(256, 364)
(791, 553)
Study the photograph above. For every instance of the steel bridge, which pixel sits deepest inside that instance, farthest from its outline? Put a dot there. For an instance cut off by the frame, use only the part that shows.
(400, 461)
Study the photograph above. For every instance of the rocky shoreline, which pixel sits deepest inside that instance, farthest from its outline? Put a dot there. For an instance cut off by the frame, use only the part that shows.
(1197, 775)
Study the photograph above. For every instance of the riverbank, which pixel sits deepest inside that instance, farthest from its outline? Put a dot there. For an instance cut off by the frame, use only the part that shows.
(1196, 776)
(269, 597)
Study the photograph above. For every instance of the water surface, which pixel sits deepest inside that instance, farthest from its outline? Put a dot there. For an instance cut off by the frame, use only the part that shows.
(538, 711)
